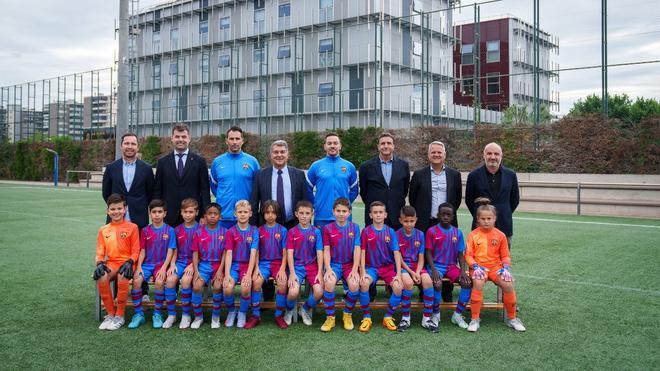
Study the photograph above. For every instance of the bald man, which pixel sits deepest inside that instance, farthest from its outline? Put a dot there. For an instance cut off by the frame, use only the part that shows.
(499, 184)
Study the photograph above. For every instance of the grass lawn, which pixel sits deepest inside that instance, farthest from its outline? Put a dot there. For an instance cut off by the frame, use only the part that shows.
(588, 290)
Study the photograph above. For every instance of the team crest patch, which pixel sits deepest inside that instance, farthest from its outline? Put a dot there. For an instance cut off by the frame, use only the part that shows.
(493, 242)
(245, 166)
(312, 238)
(249, 239)
(123, 234)
(387, 239)
(351, 234)
(165, 236)
(221, 237)
(278, 236)
(418, 244)
(343, 169)
(454, 239)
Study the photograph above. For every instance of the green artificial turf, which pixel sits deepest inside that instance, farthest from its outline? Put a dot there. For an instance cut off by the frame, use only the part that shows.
(588, 293)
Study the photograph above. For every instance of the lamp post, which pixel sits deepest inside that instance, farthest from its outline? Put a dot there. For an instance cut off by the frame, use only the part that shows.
(55, 166)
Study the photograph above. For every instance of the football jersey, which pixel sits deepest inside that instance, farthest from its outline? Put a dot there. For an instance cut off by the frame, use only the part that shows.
(379, 246)
(304, 243)
(272, 240)
(155, 242)
(119, 242)
(241, 242)
(445, 244)
(341, 240)
(184, 241)
(210, 243)
(411, 246)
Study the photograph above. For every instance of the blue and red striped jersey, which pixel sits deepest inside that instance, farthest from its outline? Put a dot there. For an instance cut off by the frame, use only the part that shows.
(272, 240)
(184, 241)
(156, 241)
(445, 244)
(304, 243)
(411, 246)
(210, 243)
(379, 246)
(241, 242)
(342, 241)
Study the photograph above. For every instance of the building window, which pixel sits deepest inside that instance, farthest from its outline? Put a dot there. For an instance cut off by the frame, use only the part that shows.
(203, 31)
(493, 107)
(204, 69)
(416, 99)
(326, 93)
(284, 52)
(284, 100)
(417, 48)
(492, 51)
(174, 68)
(467, 56)
(326, 10)
(155, 110)
(225, 105)
(493, 81)
(203, 102)
(224, 61)
(173, 105)
(259, 21)
(258, 103)
(418, 6)
(467, 85)
(174, 38)
(156, 74)
(155, 41)
(258, 58)
(326, 56)
(284, 16)
(225, 28)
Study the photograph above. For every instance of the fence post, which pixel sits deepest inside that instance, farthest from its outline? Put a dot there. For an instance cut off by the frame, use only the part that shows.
(56, 160)
(67, 178)
(579, 189)
(89, 175)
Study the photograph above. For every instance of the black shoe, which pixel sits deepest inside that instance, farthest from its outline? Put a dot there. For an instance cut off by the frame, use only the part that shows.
(434, 329)
(403, 326)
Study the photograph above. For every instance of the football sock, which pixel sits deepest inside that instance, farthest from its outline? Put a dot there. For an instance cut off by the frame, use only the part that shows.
(217, 303)
(427, 296)
(364, 304)
(395, 300)
(405, 303)
(244, 304)
(509, 299)
(475, 303)
(122, 296)
(197, 304)
(256, 303)
(280, 303)
(229, 302)
(106, 297)
(170, 296)
(186, 294)
(311, 302)
(329, 300)
(159, 297)
(437, 297)
(136, 296)
(350, 300)
(463, 299)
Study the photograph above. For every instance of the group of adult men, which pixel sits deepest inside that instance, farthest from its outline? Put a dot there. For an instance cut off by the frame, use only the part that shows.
(236, 175)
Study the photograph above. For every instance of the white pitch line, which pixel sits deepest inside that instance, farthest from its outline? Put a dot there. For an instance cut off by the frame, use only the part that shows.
(586, 222)
(594, 284)
(51, 188)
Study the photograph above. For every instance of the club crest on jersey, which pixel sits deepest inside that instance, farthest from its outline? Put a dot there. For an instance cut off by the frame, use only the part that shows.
(418, 244)
(278, 236)
(221, 237)
(351, 234)
(343, 169)
(454, 239)
(165, 236)
(249, 239)
(311, 238)
(387, 239)
(245, 166)
(493, 242)
(123, 234)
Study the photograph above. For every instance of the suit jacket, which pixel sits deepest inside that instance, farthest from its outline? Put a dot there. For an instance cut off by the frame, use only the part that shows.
(194, 184)
(374, 188)
(262, 192)
(506, 201)
(420, 194)
(140, 194)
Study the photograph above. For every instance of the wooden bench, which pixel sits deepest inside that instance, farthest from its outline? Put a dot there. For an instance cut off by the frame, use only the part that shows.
(376, 304)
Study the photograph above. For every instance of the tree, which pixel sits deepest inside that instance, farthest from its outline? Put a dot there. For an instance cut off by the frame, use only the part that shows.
(518, 115)
(644, 108)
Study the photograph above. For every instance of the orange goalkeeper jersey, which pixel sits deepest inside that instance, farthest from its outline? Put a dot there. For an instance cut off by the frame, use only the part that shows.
(488, 249)
(119, 242)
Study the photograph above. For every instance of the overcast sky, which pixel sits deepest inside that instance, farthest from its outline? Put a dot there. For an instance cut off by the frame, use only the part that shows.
(47, 38)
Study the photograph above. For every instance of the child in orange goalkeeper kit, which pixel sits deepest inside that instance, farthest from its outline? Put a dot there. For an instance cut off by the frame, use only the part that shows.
(487, 254)
(117, 250)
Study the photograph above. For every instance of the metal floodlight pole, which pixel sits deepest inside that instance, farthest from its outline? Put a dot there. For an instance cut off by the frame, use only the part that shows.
(604, 98)
(121, 127)
(56, 161)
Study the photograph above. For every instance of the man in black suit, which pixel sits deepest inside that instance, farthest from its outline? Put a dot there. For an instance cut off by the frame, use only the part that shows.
(131, 178)
(281, 183)
(181, 174)
(431, 186)
(499, 184)
(385, 178)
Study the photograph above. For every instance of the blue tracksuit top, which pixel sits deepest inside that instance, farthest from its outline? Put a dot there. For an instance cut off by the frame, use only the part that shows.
(333, 177)
(231, 180)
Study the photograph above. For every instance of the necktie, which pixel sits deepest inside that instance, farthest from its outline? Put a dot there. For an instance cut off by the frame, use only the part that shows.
(179, 165)
(280, 192)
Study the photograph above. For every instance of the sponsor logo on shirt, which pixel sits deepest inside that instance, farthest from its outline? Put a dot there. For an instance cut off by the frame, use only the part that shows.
(107, 236)
(333, 235)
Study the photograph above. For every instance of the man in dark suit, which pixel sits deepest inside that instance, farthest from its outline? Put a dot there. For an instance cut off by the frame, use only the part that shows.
(499, 185)
(131, 178)
(432, 185)
(181, 174)
(281, 183)
(385, 178)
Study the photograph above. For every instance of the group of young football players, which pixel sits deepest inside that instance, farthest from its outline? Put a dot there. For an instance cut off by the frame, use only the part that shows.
(194, 255)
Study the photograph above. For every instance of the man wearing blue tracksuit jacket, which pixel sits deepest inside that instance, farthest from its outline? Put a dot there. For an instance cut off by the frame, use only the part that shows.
(333, 177)
(231, 176)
